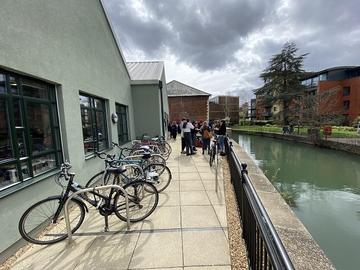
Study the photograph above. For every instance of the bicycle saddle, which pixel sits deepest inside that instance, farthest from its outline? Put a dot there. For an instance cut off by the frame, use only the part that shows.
(146, 156)
(116, 170)
(145, 147)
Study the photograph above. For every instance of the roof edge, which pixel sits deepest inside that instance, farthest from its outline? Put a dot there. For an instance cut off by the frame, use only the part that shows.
(205, 93)
(114, 36)
(141, 82)
(162, 69)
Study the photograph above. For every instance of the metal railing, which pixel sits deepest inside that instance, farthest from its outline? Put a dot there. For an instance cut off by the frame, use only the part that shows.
(264, 247)
(66, 210)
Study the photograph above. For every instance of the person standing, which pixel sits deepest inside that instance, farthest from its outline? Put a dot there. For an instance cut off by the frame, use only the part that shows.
(187, 127)
(222, 133)
(182, 135)
(174, 129)
(205, 136)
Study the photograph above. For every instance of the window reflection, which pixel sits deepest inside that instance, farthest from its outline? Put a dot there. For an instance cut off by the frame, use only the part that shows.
(2, 83)
(8, 174)
(39, 125)
(43, 164)
(93, 123)
(5, 142)
(33, 89)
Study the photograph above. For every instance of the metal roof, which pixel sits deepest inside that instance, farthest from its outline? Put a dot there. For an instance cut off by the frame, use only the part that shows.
(177, 89)
(145, 72)
(314, 74)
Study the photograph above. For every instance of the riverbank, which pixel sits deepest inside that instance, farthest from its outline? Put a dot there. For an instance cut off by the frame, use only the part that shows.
(303, 250)
(320, 185)
(330, 144)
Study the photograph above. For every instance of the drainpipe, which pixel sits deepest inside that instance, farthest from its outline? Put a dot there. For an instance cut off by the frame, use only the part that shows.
(162, 107)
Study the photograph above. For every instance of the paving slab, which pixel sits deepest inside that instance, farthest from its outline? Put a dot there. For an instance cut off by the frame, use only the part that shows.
(188, 230)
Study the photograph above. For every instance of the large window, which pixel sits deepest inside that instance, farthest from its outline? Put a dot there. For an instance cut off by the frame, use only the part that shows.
(29, 129)
(122, 124)
(93, 119)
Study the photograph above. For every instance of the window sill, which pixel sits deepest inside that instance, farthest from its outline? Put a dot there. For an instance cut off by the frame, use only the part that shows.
(21, 185)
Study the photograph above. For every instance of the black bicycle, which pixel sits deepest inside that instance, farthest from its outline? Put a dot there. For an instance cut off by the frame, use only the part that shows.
(44, 223)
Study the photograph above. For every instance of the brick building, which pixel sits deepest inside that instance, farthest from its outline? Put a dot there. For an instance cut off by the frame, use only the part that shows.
(221, 107)
(186, 101)
(346, 82)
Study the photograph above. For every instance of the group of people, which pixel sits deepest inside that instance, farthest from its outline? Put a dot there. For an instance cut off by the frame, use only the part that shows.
(191, 132)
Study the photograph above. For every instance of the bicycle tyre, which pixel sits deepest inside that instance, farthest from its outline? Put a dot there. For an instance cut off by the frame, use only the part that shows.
(163, 178)
(37, 236)
(131, 188)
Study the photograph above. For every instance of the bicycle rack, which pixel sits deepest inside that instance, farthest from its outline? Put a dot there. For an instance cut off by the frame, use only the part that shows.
(66, 211)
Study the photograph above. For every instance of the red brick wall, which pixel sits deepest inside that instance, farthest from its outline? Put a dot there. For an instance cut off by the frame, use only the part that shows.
(195, 108)
(354, 97)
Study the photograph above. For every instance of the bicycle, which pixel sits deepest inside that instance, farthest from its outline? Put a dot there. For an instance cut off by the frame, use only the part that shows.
(214, 152)
(43, 223)
(139, 168)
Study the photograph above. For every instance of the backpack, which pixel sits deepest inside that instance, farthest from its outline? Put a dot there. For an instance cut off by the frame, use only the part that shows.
(206, 134)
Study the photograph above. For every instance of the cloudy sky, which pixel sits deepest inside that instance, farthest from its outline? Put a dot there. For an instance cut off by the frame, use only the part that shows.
(221, 47)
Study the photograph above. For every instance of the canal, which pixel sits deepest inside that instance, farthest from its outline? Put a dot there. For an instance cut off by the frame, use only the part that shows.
(322, 187)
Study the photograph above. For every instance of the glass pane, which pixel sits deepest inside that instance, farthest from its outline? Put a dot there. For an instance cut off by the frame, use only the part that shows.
(101, 126)
(102, 145)
(25, 170)
(39, 127)
(8, 175)
(99, 104)
(84, 101)
(21, 143)
(14, 86)
(5, 140)
(34, 89)
(87, 130)
(2, 83)
(17, 113)
(89, 146)
(43, 164)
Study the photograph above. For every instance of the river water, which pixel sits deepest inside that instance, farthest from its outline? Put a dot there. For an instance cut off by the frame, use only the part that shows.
(322, 187)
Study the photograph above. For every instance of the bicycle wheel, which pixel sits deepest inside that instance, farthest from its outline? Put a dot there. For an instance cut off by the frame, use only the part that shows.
(159, 175)
(165, 148)
(143, 199)
(212, 156)
(37, 224)
(98, 180)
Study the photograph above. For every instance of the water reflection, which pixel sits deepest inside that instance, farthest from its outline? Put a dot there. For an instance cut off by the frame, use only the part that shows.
(323, 188)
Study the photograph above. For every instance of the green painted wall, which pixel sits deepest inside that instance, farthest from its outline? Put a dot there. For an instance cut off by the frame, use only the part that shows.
(68, 42)
(147, 112)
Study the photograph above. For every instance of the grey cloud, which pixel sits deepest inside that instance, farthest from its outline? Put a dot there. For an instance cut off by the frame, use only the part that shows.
(204, 34)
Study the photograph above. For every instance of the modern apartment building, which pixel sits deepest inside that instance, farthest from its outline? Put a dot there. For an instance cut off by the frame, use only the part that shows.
(221, 107)
(344, 82)
(65, 92)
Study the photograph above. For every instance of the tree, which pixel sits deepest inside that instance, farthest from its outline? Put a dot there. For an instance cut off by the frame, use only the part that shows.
(282, 79)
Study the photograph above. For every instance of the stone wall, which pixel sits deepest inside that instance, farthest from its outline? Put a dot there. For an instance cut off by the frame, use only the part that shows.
(350, 148)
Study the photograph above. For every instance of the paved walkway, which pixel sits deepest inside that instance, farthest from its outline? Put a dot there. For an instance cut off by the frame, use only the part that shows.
(188, 230)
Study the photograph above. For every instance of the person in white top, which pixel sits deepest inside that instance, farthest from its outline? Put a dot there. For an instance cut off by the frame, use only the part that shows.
(186, 128)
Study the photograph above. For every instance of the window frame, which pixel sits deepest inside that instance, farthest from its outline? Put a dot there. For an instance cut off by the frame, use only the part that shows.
(93, 120)
(120, 114)
(346, 91)
(10, 100)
